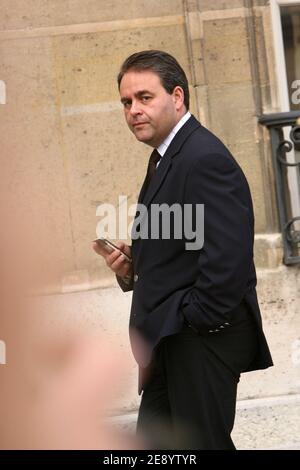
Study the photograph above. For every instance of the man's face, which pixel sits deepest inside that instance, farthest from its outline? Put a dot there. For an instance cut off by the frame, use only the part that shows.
(150, 112)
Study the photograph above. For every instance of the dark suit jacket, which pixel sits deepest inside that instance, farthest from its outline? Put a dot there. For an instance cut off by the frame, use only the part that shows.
(203, 286)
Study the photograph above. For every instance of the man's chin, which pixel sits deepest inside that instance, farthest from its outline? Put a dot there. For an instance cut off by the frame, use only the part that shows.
(146, 139)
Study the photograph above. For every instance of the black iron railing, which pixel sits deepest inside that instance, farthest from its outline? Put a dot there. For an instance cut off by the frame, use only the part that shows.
(281, 146)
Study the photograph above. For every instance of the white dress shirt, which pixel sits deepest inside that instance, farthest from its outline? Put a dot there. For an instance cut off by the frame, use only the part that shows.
(165, 144)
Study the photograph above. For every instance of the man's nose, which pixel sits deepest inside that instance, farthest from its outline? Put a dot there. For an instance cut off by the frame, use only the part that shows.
(135, 108)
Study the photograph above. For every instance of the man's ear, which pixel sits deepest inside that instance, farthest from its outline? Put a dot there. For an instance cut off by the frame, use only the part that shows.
(178, 97)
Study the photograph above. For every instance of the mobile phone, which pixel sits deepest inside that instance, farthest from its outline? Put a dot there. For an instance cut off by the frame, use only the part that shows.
(110, 246)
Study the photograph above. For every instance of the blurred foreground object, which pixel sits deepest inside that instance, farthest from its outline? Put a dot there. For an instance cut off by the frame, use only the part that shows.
(55, 389)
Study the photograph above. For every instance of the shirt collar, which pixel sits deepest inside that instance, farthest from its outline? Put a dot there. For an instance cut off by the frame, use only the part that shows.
(165, 144)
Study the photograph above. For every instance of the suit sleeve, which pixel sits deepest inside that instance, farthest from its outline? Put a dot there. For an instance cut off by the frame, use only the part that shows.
(225, 259)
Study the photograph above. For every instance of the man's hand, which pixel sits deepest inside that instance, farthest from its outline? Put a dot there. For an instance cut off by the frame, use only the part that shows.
(116, 261)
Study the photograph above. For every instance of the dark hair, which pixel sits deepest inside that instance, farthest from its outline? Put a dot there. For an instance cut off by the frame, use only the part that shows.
(164, 65)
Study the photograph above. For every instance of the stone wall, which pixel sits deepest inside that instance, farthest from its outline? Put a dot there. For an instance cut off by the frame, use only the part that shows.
(64, 139)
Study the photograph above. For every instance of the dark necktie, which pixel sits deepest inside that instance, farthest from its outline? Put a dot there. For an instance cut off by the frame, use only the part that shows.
(154, 158)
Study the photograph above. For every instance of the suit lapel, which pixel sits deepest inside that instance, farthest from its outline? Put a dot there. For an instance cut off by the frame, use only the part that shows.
(166, 161)
(147, 195)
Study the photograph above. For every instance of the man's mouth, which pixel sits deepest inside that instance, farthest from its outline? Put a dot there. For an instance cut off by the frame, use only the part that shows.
(138, 124)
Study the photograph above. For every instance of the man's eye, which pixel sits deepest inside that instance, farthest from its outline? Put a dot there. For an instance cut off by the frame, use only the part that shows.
(146, 98)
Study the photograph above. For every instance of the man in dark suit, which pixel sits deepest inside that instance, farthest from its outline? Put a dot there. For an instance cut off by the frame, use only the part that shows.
(195, 323)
